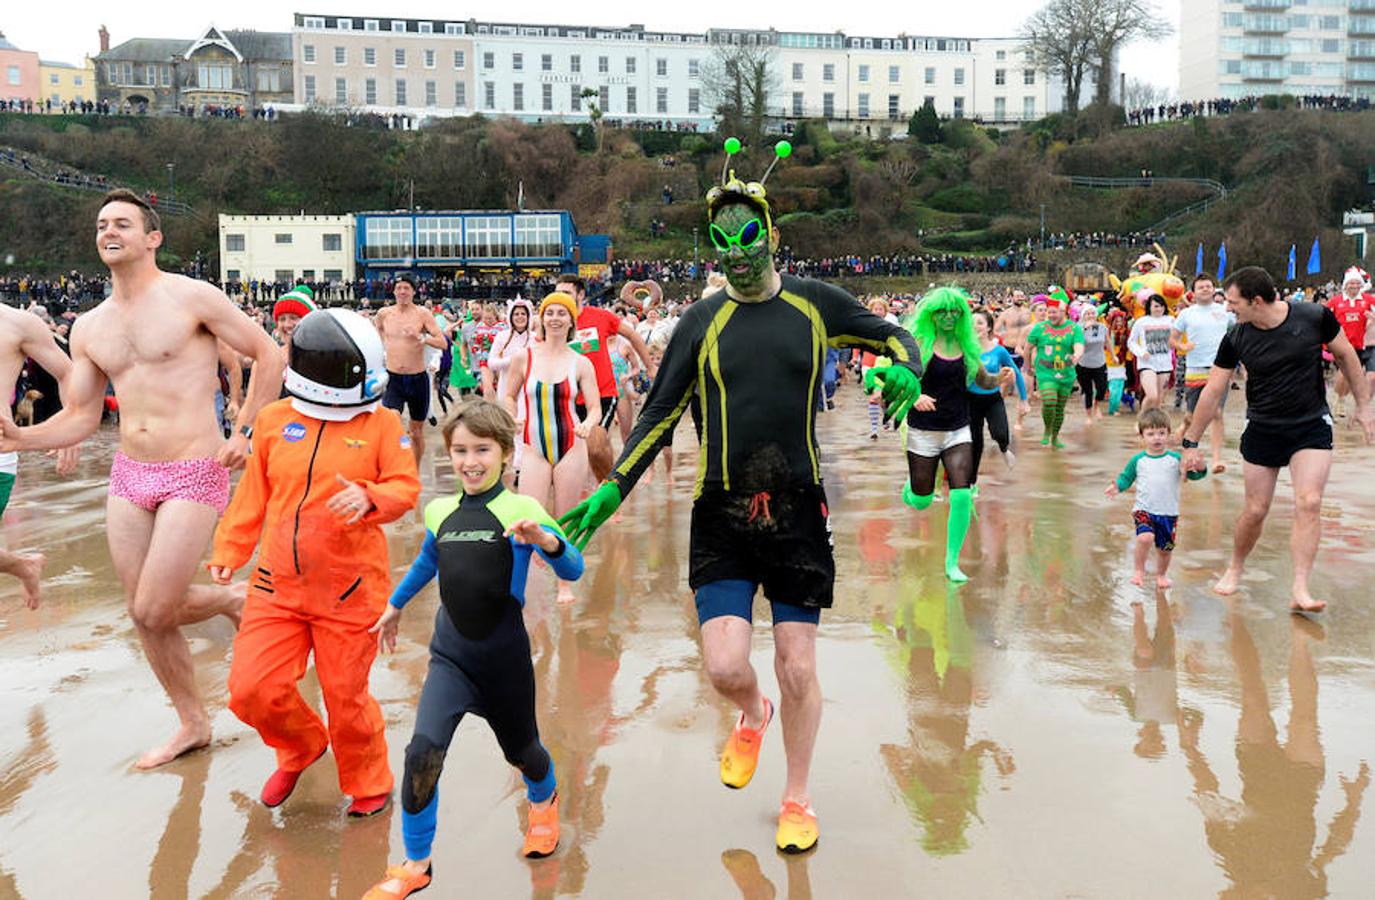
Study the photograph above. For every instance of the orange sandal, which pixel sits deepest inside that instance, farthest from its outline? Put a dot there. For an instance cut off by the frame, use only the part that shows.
(407, 881)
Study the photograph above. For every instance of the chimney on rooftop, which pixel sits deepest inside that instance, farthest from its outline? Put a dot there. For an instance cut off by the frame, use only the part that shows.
(104, 39)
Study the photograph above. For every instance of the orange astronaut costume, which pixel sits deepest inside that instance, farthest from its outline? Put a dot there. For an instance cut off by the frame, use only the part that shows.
(323, 575)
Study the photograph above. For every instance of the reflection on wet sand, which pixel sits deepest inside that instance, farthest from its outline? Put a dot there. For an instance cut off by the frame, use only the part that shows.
(749, 878)
(34, 759)
(940, 774)
(1264, 842)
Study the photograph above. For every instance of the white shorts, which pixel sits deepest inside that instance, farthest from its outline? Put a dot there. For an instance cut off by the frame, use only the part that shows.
(9, 463)
(934, 443)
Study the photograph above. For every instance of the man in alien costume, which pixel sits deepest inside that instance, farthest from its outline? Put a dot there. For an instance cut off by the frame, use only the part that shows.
(749, 361)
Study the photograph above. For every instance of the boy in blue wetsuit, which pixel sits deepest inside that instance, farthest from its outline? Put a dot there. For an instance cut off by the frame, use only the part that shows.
(479, 542)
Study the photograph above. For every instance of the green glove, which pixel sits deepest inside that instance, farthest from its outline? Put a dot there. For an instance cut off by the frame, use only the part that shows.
(901, 388)
(582, 520)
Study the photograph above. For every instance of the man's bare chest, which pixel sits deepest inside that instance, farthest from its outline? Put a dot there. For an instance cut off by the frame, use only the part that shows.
(127, 345)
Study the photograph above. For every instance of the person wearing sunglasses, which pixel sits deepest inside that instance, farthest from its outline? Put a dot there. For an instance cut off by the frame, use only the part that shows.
(753, 357)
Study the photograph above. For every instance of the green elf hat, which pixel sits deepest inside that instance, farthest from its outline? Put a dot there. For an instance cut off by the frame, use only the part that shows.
(1056, 296)
(299, 301)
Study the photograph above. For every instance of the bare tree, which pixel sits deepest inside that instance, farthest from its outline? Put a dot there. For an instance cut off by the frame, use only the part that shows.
(1140, 94)
(1115, 24)
(1058, 38)
(737, 81)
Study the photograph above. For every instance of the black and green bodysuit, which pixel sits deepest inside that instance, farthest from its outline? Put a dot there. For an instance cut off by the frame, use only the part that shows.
(751, 373)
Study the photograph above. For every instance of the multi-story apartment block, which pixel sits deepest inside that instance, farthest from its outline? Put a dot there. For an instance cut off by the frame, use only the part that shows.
(1238, 48)
(536, 72)
(419, 67)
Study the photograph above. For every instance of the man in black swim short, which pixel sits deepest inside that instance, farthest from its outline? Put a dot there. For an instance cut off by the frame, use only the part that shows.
(1287, 420)
(407, 329)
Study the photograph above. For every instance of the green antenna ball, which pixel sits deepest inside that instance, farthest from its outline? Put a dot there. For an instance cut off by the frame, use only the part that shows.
(732, 146)
(783, 149)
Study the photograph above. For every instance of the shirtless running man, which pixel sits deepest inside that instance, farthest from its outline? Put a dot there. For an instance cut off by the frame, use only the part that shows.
(154, 338)
(1011, 329)
(406, 331)
(24, 335)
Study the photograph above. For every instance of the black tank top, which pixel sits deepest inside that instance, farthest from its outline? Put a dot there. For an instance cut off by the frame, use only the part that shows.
(945, 381)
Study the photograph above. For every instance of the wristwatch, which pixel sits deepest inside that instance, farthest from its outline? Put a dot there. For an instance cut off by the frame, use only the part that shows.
(1188, 444)
(246, 431)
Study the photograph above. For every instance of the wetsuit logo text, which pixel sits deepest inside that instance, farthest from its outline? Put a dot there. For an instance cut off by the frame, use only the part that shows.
(467, 537)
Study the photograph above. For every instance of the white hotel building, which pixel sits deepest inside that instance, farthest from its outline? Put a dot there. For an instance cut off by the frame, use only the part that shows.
(425, 68)
(1239, 48)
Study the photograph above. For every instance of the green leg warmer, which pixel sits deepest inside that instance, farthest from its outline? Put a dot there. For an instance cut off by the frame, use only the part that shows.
(957, 526)
(914, 500)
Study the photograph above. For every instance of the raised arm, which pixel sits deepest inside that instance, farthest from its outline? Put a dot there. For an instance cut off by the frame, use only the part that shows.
(83, 400)
(433, 337)
(628, 332)
(37, 343)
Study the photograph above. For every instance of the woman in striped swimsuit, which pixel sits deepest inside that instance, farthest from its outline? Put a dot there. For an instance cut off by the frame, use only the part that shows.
(549, 376)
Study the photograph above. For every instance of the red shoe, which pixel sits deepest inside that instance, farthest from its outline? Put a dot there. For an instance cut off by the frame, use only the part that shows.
(281, 783)
(362, 807)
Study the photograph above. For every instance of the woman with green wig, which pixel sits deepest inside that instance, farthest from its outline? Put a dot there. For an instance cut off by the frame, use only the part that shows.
(938, 424)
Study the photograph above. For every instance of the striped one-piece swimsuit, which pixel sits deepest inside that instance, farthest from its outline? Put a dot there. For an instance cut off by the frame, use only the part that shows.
(549, 413)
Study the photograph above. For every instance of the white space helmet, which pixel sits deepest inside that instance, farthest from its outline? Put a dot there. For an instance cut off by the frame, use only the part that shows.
(337, 367)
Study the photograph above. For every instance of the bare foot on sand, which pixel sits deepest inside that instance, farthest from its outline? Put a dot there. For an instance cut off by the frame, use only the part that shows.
(187, 738)
(565, 595)
(1304, 602)
(1163, 581)
(29, 569)
(239, 592)
(1139, 578)
(1229, 583)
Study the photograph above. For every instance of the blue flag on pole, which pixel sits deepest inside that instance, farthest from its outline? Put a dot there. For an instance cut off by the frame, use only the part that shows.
(1222, 261)
(1292, 261)
(1198, 263)
(1314, 259)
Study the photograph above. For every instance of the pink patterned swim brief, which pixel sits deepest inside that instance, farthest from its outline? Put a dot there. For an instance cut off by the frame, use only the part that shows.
(148, 485)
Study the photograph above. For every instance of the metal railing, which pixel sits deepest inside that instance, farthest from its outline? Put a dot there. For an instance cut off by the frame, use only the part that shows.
(1218, 188)
(70, 177)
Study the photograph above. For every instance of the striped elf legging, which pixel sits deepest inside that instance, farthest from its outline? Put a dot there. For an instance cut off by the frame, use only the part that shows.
(1055, 387)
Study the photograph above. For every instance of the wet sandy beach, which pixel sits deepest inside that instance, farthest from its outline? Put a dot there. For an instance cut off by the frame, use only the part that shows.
(1031, 733)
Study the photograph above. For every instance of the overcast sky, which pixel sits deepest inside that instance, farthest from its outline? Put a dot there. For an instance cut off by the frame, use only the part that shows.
(69, 33)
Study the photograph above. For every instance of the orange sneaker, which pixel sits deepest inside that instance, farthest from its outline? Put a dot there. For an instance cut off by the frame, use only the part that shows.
(400, 882)
(797, 828)
(542, 834)
(741, 756)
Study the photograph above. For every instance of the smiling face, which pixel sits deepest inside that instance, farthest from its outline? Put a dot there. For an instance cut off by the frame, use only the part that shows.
(556, 322)
(520, 319)
(747, 262)
(403, 292)
(1055, 315)
(286, 325)
(478, 461)
(120, 234)
(981, 326)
